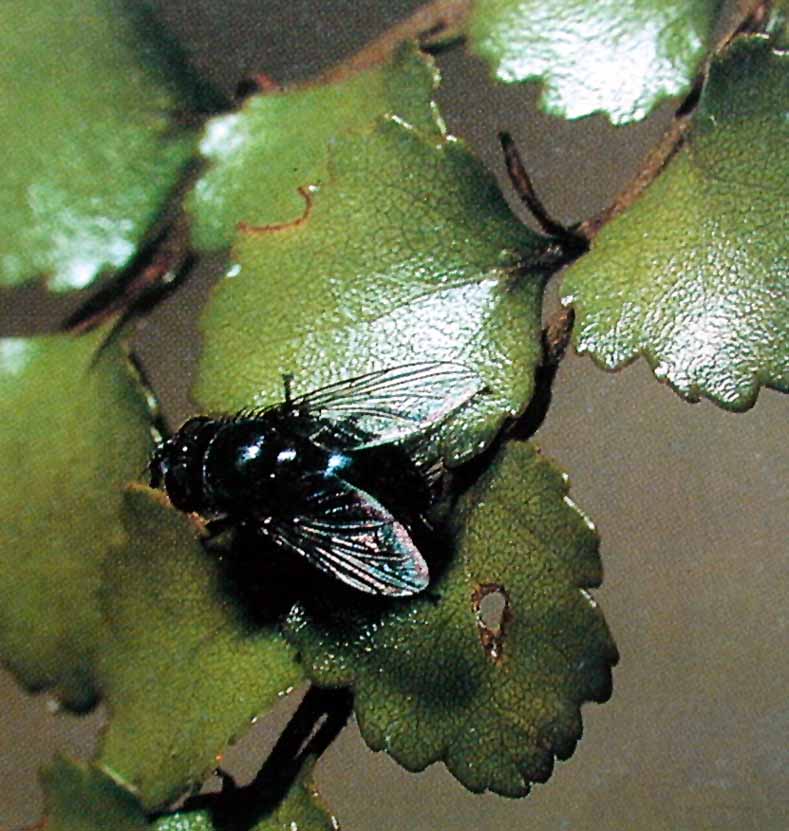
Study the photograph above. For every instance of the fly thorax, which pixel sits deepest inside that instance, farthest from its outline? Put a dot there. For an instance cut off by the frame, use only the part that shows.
(250, 463)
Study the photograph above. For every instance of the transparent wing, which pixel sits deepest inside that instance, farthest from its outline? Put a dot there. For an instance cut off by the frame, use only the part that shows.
(349, 534)
(386, 406)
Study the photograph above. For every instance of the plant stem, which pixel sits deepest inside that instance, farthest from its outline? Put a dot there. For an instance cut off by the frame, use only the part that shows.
(434, 24)
(555, 339)
(317, 722)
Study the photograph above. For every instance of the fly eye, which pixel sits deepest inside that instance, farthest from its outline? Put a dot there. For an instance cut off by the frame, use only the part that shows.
(182, 489)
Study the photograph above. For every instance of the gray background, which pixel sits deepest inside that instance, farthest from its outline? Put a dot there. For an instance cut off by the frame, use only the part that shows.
(690, 501)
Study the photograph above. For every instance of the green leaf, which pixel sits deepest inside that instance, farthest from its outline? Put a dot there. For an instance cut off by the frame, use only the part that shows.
(596, 55)
(436, 678)
(277, 142)
(80, 797)
(408, 253)
(694, 276)
(186, 821)
(91, 143)
(301, 810)
(185, 667)
(74, 429)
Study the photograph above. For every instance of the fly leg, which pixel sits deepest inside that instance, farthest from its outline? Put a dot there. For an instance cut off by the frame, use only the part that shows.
(213, 528)
(287, 381)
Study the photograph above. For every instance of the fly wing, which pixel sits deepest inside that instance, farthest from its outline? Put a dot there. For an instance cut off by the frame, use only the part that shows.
(390, 405)
(346, 532)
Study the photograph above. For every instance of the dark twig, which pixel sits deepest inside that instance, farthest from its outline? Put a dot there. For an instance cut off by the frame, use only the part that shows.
(318, 720)
(572, 242)
(521, 182)
(433, 25)
(567, 244)
(753, 18)
(160, 266)
(556, 336)
(555, 339)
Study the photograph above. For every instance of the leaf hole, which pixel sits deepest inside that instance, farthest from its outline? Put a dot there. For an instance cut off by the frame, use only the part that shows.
(491, 610)
(493, 614)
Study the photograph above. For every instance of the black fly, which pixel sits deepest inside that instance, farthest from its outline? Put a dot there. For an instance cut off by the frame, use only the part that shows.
(338, 475)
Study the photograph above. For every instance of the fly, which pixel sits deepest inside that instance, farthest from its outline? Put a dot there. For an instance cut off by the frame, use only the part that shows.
(338, 476)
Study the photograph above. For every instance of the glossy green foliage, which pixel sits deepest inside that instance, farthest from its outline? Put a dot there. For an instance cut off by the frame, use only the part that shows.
(495, 697)
(73, 431)
(695, 276)
(102, 594)
(360, 236)
(407, 252)
(81, 797)
(185, 667)
(596, 55)
(91, 100)
(259, 156)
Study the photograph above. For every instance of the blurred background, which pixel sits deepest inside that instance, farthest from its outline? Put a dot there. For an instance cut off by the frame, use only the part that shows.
(690, 502)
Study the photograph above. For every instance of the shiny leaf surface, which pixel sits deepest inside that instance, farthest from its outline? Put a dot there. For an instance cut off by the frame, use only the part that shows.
(487, 670)
(406, 253)
(618, 58)
(695, 276)
(91, 100)
(279, 141)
